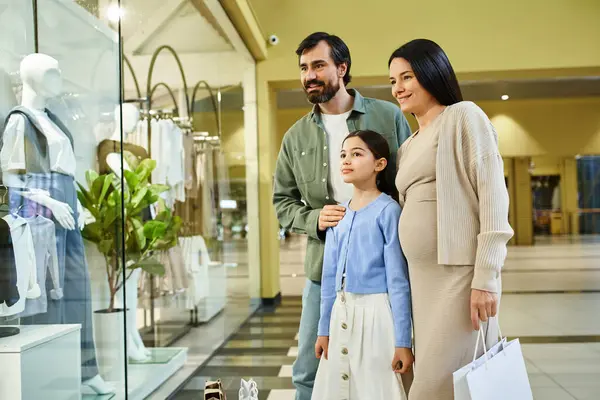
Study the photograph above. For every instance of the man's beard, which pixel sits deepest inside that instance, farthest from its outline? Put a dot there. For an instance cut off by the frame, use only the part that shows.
(328, 91)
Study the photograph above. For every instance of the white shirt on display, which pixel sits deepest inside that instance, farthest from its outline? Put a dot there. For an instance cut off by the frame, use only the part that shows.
(62, 156)
(337, 130)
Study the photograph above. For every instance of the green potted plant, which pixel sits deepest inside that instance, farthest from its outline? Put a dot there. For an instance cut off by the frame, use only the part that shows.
(119, 225)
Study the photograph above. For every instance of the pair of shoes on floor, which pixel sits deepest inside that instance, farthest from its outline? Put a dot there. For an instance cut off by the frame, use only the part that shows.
(248, 390)
(213, 390)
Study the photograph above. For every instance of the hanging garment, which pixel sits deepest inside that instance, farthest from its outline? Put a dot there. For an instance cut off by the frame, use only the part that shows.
(75, 307)
(139, 136)
(157, 153)
(176, 168)
(189, 156)
(46, 259)
(25, 264)
(167, 150)
(196, 261)
(175, 278)
(9, 292)
(205, 170)
(222, 176)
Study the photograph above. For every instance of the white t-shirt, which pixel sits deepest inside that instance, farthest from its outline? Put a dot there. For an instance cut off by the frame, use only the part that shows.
(337, 130)
(62, 156)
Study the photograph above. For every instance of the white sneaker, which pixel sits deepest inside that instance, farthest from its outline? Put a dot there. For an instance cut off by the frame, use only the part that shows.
(248, 390)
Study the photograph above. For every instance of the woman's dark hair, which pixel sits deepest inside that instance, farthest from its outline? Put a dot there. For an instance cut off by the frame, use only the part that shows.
(380, 148)
(340, 53)
(432, 69)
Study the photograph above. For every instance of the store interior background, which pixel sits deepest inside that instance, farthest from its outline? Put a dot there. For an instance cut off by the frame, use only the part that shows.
(548, 130)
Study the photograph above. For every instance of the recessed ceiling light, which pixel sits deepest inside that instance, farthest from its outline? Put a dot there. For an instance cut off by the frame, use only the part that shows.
(505, 97)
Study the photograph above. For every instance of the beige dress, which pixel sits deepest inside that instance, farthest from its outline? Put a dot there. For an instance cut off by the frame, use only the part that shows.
(444, 337)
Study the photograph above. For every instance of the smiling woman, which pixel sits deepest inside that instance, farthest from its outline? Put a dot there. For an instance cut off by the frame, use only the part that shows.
(454, 223)
(421, 79)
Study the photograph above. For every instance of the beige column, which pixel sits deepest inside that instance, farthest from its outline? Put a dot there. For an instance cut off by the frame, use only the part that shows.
(268, 148)
(520, 192)
(509, 176)
(569, 192)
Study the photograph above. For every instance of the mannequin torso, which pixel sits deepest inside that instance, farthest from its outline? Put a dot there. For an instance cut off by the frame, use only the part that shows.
(41, 81)
(109, 157)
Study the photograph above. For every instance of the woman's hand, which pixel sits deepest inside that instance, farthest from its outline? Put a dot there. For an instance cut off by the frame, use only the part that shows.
(322, 347)
(403, 360)
(484, 305)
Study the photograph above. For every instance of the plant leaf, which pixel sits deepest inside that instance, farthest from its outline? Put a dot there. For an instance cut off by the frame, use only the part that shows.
(131, 160)
(132, 180)
(154, 229)
(138, 197)
(96, 188)
(105, 246)
(150, 265)
(157, 189)
(93, 232)
(139, 233)
(144, 170)
(106, 185)
(90, 177)
(111, 215)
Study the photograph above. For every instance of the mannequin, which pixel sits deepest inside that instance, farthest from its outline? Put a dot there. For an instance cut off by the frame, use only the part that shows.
(38, 164)
(109, 159)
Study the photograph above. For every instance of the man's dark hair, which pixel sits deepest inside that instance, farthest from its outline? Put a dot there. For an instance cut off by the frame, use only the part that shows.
(339, 51)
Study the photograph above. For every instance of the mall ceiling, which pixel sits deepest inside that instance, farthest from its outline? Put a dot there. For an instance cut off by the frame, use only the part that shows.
(556, 88)
(187, 26)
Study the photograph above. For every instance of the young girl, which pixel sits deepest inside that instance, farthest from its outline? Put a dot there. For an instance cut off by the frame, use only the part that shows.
(365, 326)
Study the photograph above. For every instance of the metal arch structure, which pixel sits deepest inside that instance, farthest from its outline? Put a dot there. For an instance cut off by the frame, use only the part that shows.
(214, 101)
(135, 80)
(149, 87)
(171, 94)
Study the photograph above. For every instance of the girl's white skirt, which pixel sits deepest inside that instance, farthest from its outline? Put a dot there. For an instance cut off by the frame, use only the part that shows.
(361, 350)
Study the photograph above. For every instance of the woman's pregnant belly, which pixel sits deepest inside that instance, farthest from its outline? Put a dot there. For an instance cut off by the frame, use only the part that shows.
(418, 230)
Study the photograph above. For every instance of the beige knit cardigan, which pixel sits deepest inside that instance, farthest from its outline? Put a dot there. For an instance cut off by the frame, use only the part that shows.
(472, 199)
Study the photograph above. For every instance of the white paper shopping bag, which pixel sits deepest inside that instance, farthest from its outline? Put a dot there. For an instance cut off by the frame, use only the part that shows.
(499, 374)
(501, 377)
(461, 386)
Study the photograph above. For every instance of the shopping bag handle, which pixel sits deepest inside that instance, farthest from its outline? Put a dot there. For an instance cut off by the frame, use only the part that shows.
(481, 336)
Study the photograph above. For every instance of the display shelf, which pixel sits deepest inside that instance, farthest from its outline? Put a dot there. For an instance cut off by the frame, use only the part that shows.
(145, 378)
(27, 363)
(98, 396)
(34, 335)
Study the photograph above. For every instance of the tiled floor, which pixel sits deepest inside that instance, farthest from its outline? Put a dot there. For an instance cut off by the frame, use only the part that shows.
(551, 301)
(262, 349)
(265, 348)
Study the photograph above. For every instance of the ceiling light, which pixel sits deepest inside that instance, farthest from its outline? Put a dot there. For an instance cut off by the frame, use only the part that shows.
(114, 13)
(505, 97)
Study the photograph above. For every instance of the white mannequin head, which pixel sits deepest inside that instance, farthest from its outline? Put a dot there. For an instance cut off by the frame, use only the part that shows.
(131, 116)
(41, 77)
